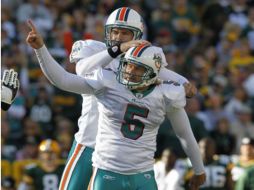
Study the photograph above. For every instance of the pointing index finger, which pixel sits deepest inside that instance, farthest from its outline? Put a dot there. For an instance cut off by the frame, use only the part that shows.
(31, 25)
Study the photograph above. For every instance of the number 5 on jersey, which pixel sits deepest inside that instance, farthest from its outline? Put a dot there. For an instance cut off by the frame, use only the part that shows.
(133, 128)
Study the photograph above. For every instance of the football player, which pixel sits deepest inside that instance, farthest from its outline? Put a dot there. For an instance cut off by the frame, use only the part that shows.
(132, 105)
(123, 29)
(244, 166)
(47, 174)
(217, 169)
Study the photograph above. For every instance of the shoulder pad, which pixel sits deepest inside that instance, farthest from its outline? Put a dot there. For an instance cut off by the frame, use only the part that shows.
(75, 51)
(85, 48)
(174, 94)
(164, 61)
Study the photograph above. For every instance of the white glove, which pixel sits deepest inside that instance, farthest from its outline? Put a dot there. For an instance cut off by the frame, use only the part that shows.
(9, 88)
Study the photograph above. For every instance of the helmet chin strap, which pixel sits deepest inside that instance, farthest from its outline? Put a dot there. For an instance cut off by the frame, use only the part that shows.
(146, 84)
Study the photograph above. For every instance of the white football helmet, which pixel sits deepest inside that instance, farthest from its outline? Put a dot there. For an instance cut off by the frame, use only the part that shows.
(149, 57)
(124, 17)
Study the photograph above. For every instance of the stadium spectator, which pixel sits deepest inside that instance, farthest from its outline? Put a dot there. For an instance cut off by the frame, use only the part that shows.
(244, 165)
(46, 174)
(237, 101)
(215, 110)
(197, 125)
(215, 167)
(224, 140)
(243, 126)
(38, 12)
(29, 149)
(42, 112)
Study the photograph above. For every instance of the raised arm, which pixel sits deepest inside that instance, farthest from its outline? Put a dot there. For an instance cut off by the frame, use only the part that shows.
(90, 55)
(52, 70)
(181, 125)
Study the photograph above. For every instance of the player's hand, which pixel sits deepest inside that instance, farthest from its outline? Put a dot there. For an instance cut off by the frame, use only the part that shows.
(133, 43)
(190, 90)
(9, 88)
(196, 181)
(34, 38)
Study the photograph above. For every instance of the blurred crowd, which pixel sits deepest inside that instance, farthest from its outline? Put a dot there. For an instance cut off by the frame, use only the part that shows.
(210, 42)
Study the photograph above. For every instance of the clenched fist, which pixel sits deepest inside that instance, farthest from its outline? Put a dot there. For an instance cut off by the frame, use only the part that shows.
(34, 38)
(190, 90)
(196, 181)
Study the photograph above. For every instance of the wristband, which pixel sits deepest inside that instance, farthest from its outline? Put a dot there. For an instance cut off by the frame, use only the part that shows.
(5, 106)
(114, 51)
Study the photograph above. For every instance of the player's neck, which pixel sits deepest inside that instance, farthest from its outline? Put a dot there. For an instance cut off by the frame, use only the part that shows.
(142, 92)
(142, 89)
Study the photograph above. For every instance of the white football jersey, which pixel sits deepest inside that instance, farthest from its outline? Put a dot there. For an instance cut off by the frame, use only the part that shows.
(129, 122)
(88, 121)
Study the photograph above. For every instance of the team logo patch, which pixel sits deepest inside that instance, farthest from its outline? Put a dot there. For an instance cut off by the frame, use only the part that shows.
(139, 95)
(115, 49)
(158, 60)
(171, 82)
(108, 177)
(137, 101)
(89, 75)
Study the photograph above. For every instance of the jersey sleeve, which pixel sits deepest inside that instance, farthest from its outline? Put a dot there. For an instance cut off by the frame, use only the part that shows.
(168, 75)
(100, 79)
(174, 94)
(58, 76)
(85, 48)
(89, 55)
(182, 128)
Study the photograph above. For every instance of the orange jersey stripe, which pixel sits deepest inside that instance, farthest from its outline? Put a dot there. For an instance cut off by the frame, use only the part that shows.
(90, 186)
